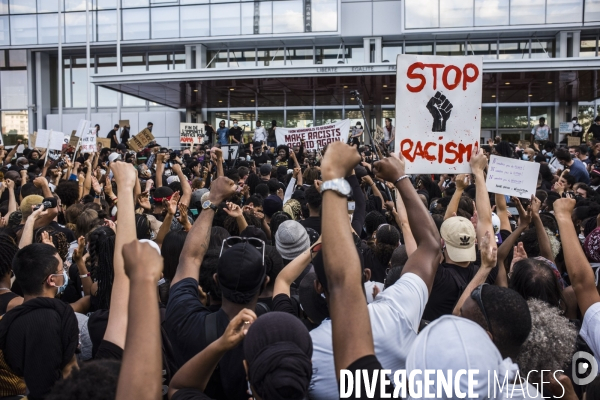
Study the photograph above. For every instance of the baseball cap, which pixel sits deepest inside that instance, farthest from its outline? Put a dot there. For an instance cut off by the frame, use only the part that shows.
(265, 169)
(459, 235)
(121, 146)
(114, 156)
(172, 178)
(271, 205)
(291, 240)
(241, 272)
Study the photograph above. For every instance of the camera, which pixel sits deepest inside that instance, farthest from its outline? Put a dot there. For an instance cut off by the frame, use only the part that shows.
(48, 202)
(354, 93)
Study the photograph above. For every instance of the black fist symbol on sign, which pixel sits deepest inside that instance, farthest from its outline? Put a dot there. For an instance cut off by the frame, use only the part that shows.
(440, 108)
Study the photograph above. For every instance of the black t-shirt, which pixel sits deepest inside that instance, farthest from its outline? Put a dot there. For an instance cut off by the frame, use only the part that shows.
(185, 326)
(125, 135)
(282, 302)
(236, 132)
(112, 135)
(271, 137)
(312, 222)
(370, 364)
(262, 159)
(209, 131)
(190, 394)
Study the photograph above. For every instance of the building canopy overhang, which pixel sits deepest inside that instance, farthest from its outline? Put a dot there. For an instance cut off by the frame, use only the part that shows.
(504, 81)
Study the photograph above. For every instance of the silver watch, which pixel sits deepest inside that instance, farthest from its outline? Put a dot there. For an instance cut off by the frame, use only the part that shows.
(339, 185)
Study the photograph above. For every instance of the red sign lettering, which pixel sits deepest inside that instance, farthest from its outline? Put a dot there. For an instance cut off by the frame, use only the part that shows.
(450, 153)
(459, 75)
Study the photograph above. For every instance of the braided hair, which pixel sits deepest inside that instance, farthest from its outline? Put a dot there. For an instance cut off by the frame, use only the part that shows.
(8, 249)
(102, 247)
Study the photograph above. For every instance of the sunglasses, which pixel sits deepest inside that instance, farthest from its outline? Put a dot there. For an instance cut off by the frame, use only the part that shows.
(476, 295)
(254, 242)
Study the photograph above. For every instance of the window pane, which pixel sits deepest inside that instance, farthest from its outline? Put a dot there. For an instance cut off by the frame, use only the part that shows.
(3, 6)
(542, 49)
(47, 6)
(491, 12)
(588, 48)
(450, 49)
(299, 56)
(456, 13)
(137, 26)
(325, 117)
(2, 62)
(592, 10)
(165, 22)
(106, 97)
(390, 53)
(299, 119)
(248, 20)
(486, 50)
(539, 112)
(23, 29)
(66, 82)
(158, 62)
(421, 14)
(22, 6)
(426, 49)
(134, 63)
(14, 89)
(217, 58)
(134, 3)
(512, 117)
(324, 15)
(15, 126)
(225, 19)
(75, 5)
(488, 117)
(17, 58)
(4, 35)
(106, 4)
(270, 58)
(562, 11)
(75, 27)
(527, 12)
(179, 61)
(289, 16)
(194, 21)
(132, 101)
(514, 50)
(47, 28)
(107, 26)
(79, 79)
(329, 55)
(183, 2)
(355, 55)
(242, 58)
(265, 17)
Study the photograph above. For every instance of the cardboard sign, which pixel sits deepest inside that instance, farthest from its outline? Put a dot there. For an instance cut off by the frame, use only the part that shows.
(190, 133)
(573, 141)
(315, 137)
(57, 139)
(43, 139)
(104, 142)
(31, 140)
(440, 101)
(565, 127)
(73, 140)
(82, 127)
(139, 141)
(88, 141)
(123, 123)
(512, 177)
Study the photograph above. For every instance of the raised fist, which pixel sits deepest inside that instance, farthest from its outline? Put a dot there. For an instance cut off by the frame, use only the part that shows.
(440, 108)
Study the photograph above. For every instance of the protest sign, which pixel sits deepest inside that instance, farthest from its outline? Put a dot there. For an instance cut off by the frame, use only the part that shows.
(439, 99)
(1, 142)
(82, 127)
(123, 122)
(32, 137)
(105, 142)
(57, 139)
(512, 177)
(573, 141)
(190, 133)
(139, 141)
(565, 127)
(315, 137)
(42, 139)
(88, 141)
(73, 140)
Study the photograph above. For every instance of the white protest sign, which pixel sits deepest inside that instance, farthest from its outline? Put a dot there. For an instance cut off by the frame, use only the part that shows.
(190, 133)
(82, 127)
(315, 137)
(438, 103)
(42, 139)
(57, 139)
(512, 177)
(88, 141)
(565, 127)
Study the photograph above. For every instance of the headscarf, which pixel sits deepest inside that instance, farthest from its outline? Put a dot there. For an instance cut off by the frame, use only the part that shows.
(293, 208)
(278, 349)
(591, 246)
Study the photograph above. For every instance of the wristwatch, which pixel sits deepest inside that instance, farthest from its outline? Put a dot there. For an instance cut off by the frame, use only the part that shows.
(208, 205)
(339, 185)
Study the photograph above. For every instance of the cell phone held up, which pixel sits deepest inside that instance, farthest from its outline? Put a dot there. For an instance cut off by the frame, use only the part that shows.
(49, 202)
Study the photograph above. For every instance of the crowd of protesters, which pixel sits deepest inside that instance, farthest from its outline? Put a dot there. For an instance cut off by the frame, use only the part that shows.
(175, 274)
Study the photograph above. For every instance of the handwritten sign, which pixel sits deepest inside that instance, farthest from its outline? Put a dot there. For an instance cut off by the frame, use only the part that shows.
(42, 139)
(123, 122)
(440, 99)
(57, 139)
(573, 141)
(88, 141)
(105, 142)
(512, 177)
(190, 133)
(82, 127)
(315, 137)
(565, 127)
(139, 141)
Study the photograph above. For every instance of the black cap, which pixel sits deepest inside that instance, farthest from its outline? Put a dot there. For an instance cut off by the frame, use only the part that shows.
(265, 169)
(241, 273)
(121, 146)
(597, 118)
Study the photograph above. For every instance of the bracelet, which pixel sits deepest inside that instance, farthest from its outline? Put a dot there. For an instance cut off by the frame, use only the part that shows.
(401, 178)
(85, 275)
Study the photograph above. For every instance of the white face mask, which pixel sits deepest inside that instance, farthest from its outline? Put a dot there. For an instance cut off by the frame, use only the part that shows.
(25, 166)
(235, 125)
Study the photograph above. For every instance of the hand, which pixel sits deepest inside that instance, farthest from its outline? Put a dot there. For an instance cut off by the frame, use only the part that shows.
(237, 329)
(183, 217)
(96, 186)
(318, 184)
(389, 205)
(559, 187)
(563, 207)
(171, 205)
(80, 250)
(144, 201)
(296, 173)
(218, 153)
(142, 261)
(124, 173)
(536, 204)
(489, 251)
(474, 220)
(391, 168)
(149, 184)
(462, 181)
(221, 189)
(111, 224)
(10, 184)
(39, 213)
(478, 160)
(176, 168)
(46, 239)
(440, 109)
(40, 182)
(519, 254)
(233, 210)
(367, 179)
(339, 160)
(524, 215)
(161, 158)
(4, 221)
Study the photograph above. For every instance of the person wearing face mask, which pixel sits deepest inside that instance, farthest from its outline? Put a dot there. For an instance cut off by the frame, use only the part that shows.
(577, 130)
(39, 338)
(236, 132)
(528, 155)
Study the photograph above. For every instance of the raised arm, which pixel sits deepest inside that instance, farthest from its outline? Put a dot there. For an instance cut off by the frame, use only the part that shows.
(542, 236)
(160, 168)
(165, 227)
(360, 203)
(79, 259)
(502, 212)
(185, 185)
(479, 163)
(198, 237)
(27, 234)
(402, 221)
(292, 271)
(369, 182)
(141, 370)
(462, 181)
(578, 267)
(12, 201)
(352, 335)
(219, 161)
(42, 183)
(426, 258)
(12, 153)
(116, 329)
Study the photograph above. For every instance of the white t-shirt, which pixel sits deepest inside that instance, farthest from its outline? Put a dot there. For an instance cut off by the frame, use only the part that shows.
(395, 316)
(540, 132)
(590, 329)
(260, 135)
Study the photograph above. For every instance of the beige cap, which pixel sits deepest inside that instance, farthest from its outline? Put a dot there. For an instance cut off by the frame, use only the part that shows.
(459, 235)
